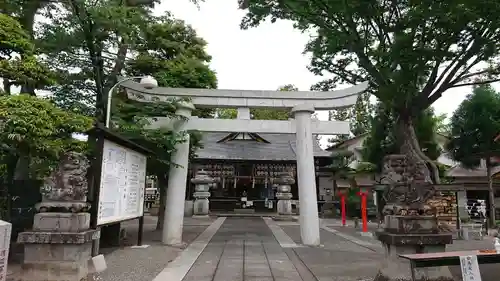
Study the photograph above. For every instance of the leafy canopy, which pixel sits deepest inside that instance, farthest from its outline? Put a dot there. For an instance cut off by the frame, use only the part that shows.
(411, 52)
(31, 126)
(382, 140)
(474, 126)
(18, 64)
(107, 39)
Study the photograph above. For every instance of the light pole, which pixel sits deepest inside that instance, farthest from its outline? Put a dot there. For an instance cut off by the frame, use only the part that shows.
(147, 81)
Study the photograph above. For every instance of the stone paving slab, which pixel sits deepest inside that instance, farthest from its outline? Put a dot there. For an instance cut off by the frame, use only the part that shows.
(243, 249)
(248, 249)
(338, 259)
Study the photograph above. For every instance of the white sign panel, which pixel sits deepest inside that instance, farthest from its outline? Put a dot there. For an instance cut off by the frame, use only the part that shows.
(5, 230)
(470, 268)
(123, 181)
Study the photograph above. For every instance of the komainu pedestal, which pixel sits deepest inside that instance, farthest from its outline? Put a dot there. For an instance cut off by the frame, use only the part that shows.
(410, 224)
(60, 243)
(411, 235)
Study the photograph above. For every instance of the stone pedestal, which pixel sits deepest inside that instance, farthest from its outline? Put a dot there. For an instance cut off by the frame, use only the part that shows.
(202, 182)
(58, 248)
(411, 235)
(188, 208)
(284, 195)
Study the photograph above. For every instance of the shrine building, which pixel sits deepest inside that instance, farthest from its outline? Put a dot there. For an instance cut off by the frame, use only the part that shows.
(249, 162)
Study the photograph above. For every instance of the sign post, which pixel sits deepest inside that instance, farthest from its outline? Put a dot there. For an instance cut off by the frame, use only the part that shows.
(364, 216)
(342, 207)
(5, 230)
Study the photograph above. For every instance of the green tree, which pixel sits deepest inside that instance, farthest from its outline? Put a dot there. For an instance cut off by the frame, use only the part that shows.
(442, 124)
(172, 52)
(175, 55)
(382, 140)
(410, 52)
(105, 39)
(342, 114)
(359, 117)
(18, 64)
(474, 126)
(98, 37)
(33, 135)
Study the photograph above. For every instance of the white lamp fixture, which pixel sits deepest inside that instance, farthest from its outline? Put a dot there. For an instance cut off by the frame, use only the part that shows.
(148, 82)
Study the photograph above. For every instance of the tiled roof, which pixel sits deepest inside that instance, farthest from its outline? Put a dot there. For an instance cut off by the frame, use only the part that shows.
(280, 147)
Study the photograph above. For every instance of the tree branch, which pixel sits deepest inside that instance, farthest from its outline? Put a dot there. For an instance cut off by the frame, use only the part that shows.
(457, 64)
(364, 60)
(479, 82)
(119, 62)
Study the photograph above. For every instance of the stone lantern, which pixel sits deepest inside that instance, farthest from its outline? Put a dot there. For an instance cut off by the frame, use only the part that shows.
(202, 182)
(284, 194)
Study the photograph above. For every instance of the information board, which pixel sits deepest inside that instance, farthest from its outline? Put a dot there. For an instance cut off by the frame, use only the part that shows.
(123, 182)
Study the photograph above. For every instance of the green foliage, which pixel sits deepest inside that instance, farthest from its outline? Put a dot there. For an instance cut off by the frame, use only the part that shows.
(98, 36)
(399, 47)
(34, 127)
(474, 126)
(359, 117)
(105, 39)
(442, 126)
(18, 65)
(171, 51)
(382, 139)
(411, 52)
(261, 113)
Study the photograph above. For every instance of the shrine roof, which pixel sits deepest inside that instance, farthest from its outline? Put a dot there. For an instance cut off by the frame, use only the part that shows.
(276, 147)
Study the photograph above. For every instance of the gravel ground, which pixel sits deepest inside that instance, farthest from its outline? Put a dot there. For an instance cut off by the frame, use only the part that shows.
(138, 264)
(143, 264)
(338, 259)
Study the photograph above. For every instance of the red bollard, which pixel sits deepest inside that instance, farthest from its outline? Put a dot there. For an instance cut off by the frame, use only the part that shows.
(364, 216)
(342, 208)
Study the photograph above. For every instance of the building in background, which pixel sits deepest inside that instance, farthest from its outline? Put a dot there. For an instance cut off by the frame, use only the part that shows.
(249, 163)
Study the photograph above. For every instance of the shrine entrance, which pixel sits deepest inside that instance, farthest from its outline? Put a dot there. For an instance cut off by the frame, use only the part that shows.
(301, 105)
(251, 180)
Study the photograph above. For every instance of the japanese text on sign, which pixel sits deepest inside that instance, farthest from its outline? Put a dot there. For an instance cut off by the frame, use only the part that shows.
(470, 268)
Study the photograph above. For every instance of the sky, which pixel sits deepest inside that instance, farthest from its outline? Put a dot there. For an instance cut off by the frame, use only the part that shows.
(261, 58)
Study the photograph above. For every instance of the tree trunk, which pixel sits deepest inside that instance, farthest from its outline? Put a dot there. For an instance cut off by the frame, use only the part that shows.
(491, 193)
(426, 169)
(162, 186)
(415, 174)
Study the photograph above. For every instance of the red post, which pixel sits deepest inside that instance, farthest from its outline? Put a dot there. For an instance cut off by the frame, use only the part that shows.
(363, 211)
(342, 208)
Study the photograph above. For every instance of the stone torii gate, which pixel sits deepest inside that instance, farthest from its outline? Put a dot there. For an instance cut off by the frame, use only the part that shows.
(302, 105)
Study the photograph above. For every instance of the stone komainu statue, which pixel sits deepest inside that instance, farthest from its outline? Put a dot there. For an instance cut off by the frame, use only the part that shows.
(65, 189)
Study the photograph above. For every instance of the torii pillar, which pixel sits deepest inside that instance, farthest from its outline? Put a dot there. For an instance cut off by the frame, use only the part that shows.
(177, 180)
(306, 176)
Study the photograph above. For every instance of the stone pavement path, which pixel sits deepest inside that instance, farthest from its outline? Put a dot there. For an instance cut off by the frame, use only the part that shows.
(245, 249)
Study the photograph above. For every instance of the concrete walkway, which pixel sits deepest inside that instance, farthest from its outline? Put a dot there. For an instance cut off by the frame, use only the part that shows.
(241, 249)
(260, 249)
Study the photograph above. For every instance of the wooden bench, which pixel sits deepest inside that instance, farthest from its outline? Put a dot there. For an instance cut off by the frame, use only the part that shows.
(447, 259)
